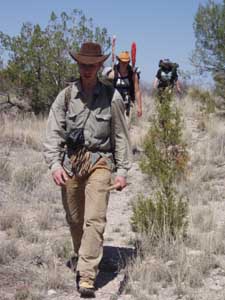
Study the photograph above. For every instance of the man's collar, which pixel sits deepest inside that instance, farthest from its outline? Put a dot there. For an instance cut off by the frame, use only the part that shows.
(79, 90)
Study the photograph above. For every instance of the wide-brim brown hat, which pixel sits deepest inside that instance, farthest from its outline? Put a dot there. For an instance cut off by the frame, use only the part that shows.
(90, 53)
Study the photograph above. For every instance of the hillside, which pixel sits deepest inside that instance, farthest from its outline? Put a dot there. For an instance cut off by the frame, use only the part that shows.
(35, 241)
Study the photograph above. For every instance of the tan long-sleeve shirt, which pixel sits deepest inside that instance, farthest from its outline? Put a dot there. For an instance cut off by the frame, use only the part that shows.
(101, 116)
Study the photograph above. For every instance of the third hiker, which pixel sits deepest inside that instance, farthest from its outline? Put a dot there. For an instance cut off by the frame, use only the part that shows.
(167, 76)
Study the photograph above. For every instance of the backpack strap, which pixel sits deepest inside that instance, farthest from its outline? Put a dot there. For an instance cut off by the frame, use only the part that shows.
(116, 70)
(131, 81)
(67, 99)
(109, 90)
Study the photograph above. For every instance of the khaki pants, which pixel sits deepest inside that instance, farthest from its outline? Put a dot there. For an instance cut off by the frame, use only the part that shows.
(85, 202)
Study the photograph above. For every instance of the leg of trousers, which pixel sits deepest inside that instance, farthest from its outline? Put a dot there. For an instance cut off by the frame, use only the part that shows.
(85, 202)
(73, 202)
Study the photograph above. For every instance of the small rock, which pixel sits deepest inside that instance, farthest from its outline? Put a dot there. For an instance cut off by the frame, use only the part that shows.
(51, 292)
(216, 287)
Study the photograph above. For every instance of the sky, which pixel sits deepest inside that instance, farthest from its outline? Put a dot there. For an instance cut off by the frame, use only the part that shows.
(161, 29)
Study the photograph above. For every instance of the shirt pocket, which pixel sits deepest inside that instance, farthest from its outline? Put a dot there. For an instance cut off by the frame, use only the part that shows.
(102, 129)
(71, 116)
(103, 118)
(74, 120)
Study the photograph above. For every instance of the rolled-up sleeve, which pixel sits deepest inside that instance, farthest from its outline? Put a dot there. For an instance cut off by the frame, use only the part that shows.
(53, 146)
(120, 136)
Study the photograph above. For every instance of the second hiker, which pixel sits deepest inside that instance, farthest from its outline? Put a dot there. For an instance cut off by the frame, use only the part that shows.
(126, 81)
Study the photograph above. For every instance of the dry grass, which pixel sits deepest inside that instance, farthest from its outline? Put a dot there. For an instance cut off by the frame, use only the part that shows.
(203, 219)
(187, 264)
(23, 131)
(8, 252)
(5, 167)
(25, 179)
(173, 265)
(140, 126)
(63, 248)
(53, 278)
(45, 218)
(31, 216)
(9, 218)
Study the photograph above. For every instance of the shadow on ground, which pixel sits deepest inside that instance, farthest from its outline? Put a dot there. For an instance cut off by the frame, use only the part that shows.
(114, 260)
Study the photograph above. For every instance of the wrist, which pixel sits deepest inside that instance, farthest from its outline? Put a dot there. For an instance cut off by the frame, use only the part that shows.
(121, 173)
(55, 167)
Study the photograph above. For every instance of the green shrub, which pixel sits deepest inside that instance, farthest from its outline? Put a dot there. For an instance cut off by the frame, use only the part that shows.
(165, 153)
(219, 78)
(165, 159)
(161, 216)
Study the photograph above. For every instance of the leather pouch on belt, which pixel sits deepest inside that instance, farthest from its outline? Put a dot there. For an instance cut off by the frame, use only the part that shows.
(81, 162)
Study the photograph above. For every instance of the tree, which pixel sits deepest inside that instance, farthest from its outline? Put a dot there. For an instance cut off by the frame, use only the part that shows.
(209, 54)
(163, 214)
(39, 61)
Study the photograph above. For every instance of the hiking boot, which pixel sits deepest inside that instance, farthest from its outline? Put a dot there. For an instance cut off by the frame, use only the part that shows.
(86, 289)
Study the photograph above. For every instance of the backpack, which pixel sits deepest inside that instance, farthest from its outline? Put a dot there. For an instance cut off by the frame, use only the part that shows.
(163, 63)
(130, 78)
(168, 72)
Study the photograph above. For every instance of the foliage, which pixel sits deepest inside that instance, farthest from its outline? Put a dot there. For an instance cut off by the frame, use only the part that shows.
(209, 55)
(165, 153)
(205, 98)
(162, 216)
(219, 78)
(39, 61)
(165, 160)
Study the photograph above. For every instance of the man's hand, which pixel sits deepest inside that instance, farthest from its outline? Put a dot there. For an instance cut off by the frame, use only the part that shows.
(60, 177)
(179, 90)
(139, 112)
(178, 87)
(120, 183)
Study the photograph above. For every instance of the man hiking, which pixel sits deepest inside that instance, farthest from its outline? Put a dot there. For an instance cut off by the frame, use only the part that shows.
(86, 139)
(167, 77)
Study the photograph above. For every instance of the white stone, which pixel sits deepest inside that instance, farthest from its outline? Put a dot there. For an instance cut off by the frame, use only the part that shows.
(51, 292)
